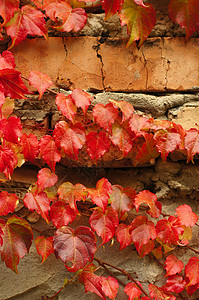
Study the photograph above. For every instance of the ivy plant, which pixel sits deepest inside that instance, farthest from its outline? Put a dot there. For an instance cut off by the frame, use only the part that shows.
(92, 131)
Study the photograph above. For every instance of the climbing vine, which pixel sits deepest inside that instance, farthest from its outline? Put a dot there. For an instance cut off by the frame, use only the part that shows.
(84, 129)
(95, 133)
(35, 18)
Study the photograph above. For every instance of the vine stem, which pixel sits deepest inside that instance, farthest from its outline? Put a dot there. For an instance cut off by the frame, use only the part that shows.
(56, 293)
(158, 262)
(111, 273)
(196, 251)
(37, 230)
(125, 273)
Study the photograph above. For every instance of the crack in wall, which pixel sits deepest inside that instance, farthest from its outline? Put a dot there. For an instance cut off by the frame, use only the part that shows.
(167, 71)
(97, 49)
(66, 51)
(168, 65)
(145, 67)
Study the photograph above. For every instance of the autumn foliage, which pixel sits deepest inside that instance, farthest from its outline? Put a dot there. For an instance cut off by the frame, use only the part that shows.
(70, 15)
(101, 127)
(96, 132)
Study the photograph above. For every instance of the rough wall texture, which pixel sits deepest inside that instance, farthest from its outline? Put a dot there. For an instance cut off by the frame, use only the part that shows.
(161, 64)
(160, 79)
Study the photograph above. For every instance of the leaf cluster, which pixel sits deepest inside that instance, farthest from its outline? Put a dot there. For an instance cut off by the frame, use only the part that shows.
(115, 213)
(70, 15)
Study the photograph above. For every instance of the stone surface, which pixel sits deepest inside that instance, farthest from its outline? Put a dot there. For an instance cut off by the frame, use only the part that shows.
(36, 280)
(106, 64)
(96, 59)
(153, 104)
(188, 117)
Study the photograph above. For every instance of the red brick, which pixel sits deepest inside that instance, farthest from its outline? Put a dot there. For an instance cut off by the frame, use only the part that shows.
(71, 62)
(159, 65)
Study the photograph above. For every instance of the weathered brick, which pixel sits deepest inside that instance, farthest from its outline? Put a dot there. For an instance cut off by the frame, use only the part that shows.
(96, 64)
(188, 117)
(70, 62)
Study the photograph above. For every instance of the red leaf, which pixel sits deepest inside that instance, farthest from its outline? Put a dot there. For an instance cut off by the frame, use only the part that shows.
(175, 284)
(55, 9)
(39, 202)
(158, 124)
(105, 115)
(71, 19)
(76, 19)
(159, 294)
(166, 142)
(148, 152)
(38, 3)
(125, 107)
(8, 203)
(81, 99)
(185, 13)
(44, 246)
(8, 161)
(92, 282)
(66, 105)
(49, 151)
(104, 223)
(77, 246)
(45, 179)
(136, 123)
(192, 271)
(192, 143)
(140, 20)
(100, 195)
(30, 146)
(173, 265)
(111, 7)
(151, 200)
(142, 231)
(17, 239)
(62, 214)
(13, 85)
(132, 290)
(122, 199)
(145, 248)
(1, 237)
(121, 138)
(71, 139)
(2, 99)
(186, 216)
(123, 233)
(191, 288)
(40, 81)
(70, 193)
(7, 60)
(7, 9)
(11, 129)
(28, 20)
(157, 252)
(110, 287)
(182, 132)
(97, 144)
(169, 230)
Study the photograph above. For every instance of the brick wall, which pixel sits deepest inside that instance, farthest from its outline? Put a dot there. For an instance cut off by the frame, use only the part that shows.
(161, 78)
